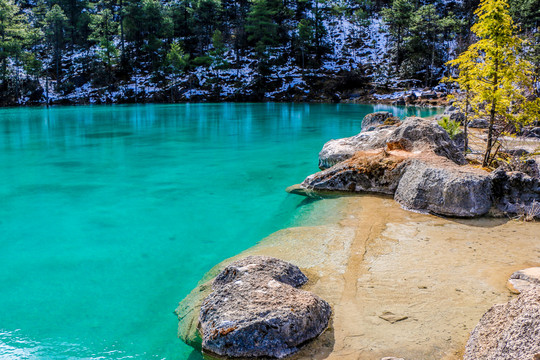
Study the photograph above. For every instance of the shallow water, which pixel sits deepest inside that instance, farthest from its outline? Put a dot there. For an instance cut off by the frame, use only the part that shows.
(110, 215)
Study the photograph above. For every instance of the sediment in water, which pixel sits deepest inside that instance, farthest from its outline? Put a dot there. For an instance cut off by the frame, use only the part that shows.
(438, 275)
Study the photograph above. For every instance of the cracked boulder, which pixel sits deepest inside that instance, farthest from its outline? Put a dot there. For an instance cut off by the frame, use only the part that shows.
(441, 187)
(256, 309)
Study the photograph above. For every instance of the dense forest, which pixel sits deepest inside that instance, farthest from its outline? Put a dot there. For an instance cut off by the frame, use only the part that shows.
(84, 51)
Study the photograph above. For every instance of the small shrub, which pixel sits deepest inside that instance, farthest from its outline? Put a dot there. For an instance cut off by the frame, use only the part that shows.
(204, 61)
(451, 126)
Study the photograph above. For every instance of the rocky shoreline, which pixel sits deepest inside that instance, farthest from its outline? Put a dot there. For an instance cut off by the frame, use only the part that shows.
(320, 91)
(397, 284)
(418, 163)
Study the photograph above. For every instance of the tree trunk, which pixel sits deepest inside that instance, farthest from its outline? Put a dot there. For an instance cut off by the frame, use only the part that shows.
(489, 146)
(122, 41)
(317, 39)
(57, 57)
(466, 123)
(398, 55)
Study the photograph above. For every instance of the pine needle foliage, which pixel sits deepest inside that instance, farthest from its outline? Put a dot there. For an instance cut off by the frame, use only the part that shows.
(494, 76)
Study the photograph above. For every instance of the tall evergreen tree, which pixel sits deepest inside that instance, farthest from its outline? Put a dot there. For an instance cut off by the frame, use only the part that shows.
(398, 18)
(205, 17)
(500, 79)
(104, 28)
(56, 21)
(218, 50)
(261, 28)
(14, 30)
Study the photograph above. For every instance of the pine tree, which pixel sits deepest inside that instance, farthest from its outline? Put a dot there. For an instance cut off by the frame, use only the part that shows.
(500, 79)
(205, 16)
(261, 28)
(13, 34)
(56, 21)
(146, 25)
(219, 50)
(177, 62)
(104, 28)
(398, 18)
(306, 36)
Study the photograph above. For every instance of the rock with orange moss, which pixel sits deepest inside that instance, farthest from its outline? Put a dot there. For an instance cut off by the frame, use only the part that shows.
(375, 171)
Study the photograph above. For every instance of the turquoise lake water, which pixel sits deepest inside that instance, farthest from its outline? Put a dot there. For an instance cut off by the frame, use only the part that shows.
(109, 215)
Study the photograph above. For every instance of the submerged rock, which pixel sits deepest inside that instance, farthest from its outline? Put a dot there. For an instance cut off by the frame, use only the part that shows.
(255, 309)
(509, 331)
(443, 188)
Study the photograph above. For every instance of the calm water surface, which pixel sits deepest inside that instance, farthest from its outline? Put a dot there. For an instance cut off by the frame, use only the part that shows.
(110, 215)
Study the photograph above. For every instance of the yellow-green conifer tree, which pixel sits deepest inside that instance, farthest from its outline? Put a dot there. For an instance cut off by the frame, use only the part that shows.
(496, 79)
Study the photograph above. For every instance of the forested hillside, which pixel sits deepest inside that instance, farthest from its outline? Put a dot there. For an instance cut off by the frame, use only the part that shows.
(84, 51)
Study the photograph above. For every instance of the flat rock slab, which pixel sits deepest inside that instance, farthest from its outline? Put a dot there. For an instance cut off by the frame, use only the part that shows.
(366, 171)
(392, 318)
(256, 310)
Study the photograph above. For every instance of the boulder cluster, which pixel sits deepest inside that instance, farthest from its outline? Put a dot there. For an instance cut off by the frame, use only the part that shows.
(418, 163)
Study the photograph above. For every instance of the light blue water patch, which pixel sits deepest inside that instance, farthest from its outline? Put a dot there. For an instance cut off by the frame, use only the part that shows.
(110, 215)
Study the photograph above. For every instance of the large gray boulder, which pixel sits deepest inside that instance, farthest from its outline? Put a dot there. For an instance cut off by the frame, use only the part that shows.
(413, 134)
(508, 332)
(441, 187)
(257, 310)
(374, 120)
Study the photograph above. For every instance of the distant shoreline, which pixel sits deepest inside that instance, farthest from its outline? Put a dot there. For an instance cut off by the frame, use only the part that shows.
(359, 101)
